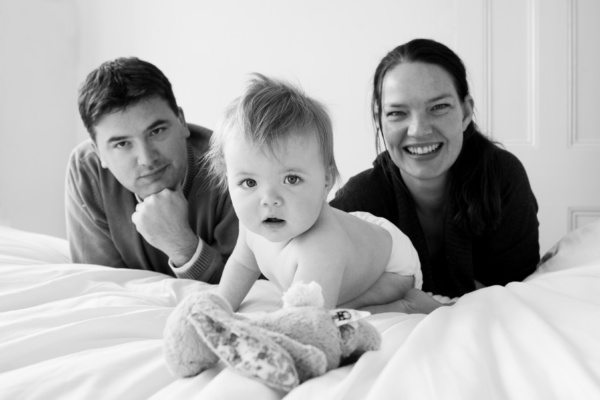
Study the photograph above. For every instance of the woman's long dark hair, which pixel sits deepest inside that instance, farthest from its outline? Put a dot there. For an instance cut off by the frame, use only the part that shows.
(474, 184)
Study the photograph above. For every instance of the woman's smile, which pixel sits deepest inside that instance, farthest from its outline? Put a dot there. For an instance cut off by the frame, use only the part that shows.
(420, 150)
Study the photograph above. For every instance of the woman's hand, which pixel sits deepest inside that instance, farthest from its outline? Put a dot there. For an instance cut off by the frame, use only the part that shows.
(414, 302)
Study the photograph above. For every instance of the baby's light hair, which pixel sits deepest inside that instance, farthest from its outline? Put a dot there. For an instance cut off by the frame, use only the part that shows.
(268, 111)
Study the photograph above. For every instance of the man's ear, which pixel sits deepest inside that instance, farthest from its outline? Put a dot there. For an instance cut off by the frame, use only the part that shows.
(181, 117)
(467, 106)
(95, 147)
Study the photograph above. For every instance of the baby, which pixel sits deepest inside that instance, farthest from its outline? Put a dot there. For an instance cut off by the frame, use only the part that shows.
(273, 150)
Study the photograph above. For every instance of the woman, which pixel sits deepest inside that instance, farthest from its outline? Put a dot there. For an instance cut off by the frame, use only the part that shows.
(465, 203)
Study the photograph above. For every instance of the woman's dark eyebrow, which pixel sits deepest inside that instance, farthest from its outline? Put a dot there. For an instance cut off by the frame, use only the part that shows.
(440, 97)
(432, 100)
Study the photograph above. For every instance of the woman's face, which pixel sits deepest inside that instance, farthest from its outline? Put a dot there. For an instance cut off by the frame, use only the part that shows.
(423, 120)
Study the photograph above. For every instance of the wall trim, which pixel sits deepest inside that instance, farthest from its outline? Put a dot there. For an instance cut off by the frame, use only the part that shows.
(572, 81)
(532, 73)
(487, 64)
(577, 215)
(571, 72)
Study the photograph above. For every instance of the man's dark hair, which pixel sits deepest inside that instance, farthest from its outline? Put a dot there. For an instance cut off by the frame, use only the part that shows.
(118, 84)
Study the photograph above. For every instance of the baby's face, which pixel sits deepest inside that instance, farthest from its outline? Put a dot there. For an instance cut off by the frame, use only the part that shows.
(277, 195)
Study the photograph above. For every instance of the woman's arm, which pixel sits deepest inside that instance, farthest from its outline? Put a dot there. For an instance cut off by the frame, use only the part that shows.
(511, 252)
(414, 302)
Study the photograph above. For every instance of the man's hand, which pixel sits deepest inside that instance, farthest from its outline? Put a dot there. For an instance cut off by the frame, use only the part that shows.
(162, 219)
(414, 302)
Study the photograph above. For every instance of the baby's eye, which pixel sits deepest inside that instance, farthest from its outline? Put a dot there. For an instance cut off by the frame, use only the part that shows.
(292, 179)
(248, 183)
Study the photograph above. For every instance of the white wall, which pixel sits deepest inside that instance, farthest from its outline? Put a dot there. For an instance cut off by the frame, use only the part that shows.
(208, 48)
(38, 48)
(516, 51)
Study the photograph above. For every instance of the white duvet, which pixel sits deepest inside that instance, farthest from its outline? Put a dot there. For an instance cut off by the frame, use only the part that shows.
(72, 331)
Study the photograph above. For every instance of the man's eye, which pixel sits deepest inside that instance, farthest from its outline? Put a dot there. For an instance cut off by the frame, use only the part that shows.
(292, 179)
(157, 131)
(121, 145)
(248, 183)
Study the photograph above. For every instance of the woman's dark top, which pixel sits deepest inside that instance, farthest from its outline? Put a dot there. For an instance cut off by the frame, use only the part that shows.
(496, 257)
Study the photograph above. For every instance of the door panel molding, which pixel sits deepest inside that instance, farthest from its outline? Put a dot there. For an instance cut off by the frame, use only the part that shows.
(580, 216)
(573, 60)
(524, 130)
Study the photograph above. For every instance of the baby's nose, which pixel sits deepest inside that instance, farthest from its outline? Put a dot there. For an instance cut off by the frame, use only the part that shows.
(271, 198)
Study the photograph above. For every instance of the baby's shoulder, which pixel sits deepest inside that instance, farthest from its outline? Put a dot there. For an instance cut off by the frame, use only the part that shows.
(366, 230)
(328, 235)
(342, 231)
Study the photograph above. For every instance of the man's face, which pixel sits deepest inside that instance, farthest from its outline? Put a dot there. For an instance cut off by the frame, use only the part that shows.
(144, 146)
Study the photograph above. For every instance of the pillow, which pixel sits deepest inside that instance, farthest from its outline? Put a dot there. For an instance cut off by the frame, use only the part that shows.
(26, 248)
(578, 247)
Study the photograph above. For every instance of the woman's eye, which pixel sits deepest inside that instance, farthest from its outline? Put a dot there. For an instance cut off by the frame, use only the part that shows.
(292, 179)
(248, 183)
(440, 107)
(395, 114)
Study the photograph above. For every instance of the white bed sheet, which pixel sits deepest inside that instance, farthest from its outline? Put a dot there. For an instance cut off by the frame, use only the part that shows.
(74, 331)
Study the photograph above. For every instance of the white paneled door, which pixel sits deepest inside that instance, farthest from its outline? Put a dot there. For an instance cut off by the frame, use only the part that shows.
(535, 72)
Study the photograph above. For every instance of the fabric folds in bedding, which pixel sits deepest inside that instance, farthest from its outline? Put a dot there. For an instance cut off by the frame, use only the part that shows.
(75, 331)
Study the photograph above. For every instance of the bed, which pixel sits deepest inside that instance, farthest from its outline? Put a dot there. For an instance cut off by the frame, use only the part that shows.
(74, 331)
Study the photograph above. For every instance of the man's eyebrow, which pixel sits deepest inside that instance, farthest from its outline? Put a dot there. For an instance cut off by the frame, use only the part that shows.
(117, 139)
(156, 124)
(150, 127)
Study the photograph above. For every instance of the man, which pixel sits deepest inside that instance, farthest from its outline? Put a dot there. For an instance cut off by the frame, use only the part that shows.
(137, 193)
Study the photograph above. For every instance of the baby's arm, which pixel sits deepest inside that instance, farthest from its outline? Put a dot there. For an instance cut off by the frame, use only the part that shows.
(318, 263)
(388, 288)
(240, 273)
(330, 282)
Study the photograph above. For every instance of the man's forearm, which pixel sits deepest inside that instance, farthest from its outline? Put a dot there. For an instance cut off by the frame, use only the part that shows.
(206, 265)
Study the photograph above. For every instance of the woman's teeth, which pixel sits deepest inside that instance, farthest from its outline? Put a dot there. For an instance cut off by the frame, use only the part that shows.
(423, 149)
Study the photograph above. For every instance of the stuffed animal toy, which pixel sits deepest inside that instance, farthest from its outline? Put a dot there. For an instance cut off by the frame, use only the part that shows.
(282, 348)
